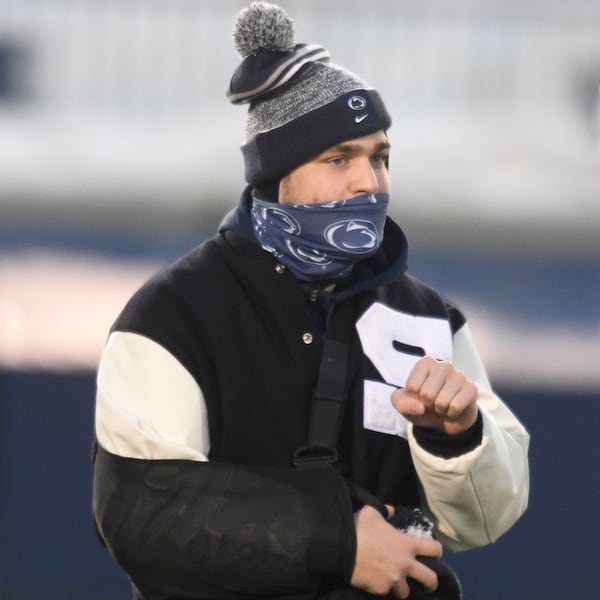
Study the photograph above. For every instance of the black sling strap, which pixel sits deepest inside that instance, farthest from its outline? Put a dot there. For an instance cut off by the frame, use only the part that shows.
(330, 392)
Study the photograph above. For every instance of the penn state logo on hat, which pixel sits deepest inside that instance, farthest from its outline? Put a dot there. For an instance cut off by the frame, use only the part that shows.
(358, 103)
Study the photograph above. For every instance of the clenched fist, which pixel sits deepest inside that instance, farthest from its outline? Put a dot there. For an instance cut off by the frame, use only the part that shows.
(437, 396)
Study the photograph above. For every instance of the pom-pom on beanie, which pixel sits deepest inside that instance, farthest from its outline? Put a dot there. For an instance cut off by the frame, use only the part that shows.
(300, 103)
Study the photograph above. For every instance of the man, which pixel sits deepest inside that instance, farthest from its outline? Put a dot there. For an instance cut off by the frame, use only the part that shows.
(272, 407)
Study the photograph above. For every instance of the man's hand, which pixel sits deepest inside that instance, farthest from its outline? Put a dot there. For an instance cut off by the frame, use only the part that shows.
(437, 396)
(385, 556)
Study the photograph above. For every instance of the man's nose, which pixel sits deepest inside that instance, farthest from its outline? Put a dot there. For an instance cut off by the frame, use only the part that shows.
(364, 179)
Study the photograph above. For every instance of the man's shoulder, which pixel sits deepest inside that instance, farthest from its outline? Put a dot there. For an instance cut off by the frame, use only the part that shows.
(407, 285)
(187, 272)
(168, 291)
(414, 296)
(197, 281)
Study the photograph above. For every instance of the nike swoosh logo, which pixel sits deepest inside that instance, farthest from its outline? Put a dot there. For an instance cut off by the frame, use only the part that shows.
(360, 118)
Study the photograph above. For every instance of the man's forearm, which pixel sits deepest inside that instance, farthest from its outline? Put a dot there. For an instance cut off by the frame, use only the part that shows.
(477, 496)
(208, 529)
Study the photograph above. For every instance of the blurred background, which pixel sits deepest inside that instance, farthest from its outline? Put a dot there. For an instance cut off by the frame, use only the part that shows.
(119, 151)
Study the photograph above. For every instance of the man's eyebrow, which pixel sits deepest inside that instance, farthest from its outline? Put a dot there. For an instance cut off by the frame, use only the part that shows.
(350, 148)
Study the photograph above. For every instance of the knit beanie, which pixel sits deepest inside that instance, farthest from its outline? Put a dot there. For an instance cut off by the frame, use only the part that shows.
(300, 103)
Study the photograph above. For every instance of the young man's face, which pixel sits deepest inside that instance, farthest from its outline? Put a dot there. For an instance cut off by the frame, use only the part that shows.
(349, 169)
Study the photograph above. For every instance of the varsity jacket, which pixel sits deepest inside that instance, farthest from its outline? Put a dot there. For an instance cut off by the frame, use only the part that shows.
(204, 394)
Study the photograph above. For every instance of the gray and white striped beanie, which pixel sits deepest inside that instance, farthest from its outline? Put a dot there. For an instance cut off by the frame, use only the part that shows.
(300, 103)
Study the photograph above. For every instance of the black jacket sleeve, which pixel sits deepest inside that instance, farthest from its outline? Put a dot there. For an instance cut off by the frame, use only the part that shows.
(186, 529)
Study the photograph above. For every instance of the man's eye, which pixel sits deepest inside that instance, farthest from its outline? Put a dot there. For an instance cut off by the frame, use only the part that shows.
(337, 161)
(379, 158)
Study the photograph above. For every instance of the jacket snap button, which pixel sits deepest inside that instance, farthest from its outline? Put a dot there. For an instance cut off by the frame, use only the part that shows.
(307, 338)
(280, 269)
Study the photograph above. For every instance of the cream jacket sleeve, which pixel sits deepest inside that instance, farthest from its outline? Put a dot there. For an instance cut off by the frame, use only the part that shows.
(148, 405)
(476, 497)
